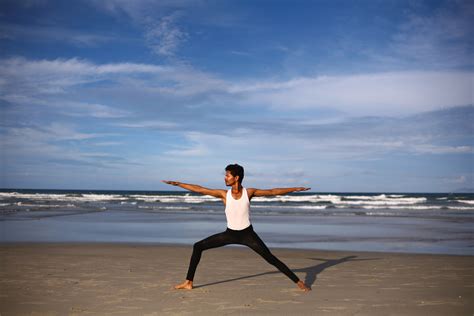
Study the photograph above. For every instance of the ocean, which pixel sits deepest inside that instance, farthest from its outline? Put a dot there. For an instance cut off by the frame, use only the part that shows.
(393, 222)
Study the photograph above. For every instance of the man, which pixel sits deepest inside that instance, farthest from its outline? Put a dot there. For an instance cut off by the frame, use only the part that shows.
(239, 229)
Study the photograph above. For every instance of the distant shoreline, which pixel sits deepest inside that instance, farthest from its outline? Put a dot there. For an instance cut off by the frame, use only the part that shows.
(464, 191)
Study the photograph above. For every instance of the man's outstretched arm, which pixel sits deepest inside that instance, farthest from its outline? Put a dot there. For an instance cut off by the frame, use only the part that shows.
(275, 191)
(198, 189)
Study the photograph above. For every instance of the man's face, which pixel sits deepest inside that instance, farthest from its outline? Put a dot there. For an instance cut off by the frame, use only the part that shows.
(230, 179)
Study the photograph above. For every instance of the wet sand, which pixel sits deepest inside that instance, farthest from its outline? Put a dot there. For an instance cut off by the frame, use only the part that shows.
(137, 279)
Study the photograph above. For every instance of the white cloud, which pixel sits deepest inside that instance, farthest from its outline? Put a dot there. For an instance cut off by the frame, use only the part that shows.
(164, 36)
(260, 145)
(22, 67)
(38, 145)
(68, 108)
(91, 109)
(54, 76)
(54, 34)
(463, 179)
(161, 31)
(433, 149)
(197, 147)
(391, 93)
(149, 124)
(107, 144)
(60, 131)
(441, 39)
(460, 179)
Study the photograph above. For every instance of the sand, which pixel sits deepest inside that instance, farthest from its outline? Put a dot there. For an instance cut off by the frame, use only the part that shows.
(133, 279)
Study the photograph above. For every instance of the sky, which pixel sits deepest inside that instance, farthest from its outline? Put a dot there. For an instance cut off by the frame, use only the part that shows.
(339, 96)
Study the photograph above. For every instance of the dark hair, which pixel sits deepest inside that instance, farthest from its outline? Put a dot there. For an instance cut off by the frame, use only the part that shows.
(236, 170)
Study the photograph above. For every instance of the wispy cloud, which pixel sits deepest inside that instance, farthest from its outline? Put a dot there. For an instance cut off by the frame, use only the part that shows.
(164, 36)
(68, 108)
(149, 124)
(46, 144)
(161, 32)
(50, 133)
(390, 93)
(347, 139)
(441, 38)
(53, 76)
(432, 149)
(41, 33)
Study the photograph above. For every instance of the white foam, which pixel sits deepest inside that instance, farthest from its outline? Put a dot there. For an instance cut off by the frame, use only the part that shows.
(403, 207)
(381, 199)
(299, 198)
(373, 197)
(399, 201)
(176, 198)
(467, 208)
(313, 207)
(64, 197)
(45, 205)
(367, 197)
(393, 199)
(381, 214)
(174, 208)
(466, 201)
(419, 207)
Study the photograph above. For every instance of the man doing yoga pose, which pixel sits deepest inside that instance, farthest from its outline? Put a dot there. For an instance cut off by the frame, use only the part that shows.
(239, 229)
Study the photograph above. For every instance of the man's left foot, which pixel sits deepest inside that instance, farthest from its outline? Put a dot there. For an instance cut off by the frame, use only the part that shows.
(303, 286)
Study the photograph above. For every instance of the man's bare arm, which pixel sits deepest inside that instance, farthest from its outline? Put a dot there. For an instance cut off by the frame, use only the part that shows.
(198, 189)
(275, 191)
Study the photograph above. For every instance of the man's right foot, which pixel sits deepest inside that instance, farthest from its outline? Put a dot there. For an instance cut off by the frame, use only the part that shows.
(303, 286)
(186, 285)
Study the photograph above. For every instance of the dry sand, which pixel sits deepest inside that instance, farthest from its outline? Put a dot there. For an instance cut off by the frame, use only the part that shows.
(128, 279)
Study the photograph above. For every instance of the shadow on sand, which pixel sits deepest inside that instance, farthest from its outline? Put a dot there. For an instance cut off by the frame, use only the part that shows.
(311, 271)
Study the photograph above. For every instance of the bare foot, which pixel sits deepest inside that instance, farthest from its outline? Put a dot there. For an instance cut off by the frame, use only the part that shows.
(303, 286)
(186, 285)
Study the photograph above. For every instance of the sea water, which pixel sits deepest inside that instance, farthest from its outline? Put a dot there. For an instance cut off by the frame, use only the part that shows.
(401, 222)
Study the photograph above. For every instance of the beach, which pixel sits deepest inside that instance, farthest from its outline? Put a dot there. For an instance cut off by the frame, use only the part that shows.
(121, 253)
(138, 279)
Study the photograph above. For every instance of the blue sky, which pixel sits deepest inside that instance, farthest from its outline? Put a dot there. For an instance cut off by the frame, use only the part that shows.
(341, 96)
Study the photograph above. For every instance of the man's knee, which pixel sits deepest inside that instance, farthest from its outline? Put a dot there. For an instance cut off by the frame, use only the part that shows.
(198, 246)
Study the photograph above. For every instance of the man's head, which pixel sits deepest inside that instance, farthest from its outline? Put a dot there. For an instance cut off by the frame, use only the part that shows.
(234, 173)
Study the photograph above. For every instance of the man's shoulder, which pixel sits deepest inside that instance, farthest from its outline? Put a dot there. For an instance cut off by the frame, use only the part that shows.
(250, 191)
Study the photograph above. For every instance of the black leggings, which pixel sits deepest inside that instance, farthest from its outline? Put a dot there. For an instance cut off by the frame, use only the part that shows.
(246, 237)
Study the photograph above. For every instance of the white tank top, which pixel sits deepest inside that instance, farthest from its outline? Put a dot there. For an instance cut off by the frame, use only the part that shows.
(237, 211)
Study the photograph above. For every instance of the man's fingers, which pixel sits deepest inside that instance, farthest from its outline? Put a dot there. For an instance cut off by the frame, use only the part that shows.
(170, 182)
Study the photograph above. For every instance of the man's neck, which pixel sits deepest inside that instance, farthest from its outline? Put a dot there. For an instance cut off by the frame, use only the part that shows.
(236, 188)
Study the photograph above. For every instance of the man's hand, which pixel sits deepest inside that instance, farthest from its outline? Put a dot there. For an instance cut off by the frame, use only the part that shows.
(175, 183)
(302, 189)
